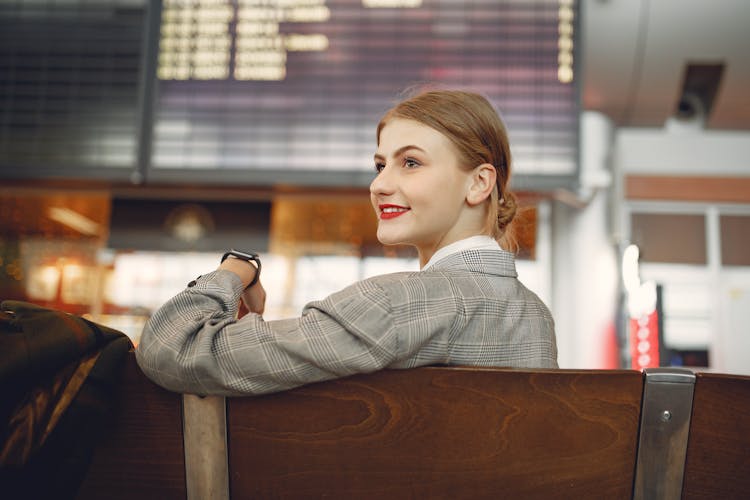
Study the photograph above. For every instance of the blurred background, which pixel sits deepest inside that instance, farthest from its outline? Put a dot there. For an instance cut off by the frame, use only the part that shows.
(141, 139)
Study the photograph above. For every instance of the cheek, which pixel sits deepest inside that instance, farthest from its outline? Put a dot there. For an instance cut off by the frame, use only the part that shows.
(374, 202)
(447, 191)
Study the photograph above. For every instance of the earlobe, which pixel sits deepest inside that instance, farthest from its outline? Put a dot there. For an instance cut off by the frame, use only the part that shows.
(483, 181)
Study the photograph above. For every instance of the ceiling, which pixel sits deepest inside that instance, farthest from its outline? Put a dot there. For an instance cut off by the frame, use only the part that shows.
(634, 55)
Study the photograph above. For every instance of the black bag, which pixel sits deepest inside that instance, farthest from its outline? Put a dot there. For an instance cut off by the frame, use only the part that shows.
(59, 376)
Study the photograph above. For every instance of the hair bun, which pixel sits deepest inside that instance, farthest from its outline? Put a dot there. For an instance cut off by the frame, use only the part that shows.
(506, 210)
(507, 207)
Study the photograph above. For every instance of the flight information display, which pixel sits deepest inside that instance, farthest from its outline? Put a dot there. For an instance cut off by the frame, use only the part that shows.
(71, 77)
(293, 89)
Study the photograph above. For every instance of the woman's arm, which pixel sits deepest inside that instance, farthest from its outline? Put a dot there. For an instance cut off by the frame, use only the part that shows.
(195, 344)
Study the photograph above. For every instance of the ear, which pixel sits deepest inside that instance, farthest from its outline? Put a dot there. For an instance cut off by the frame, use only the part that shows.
(482, 182)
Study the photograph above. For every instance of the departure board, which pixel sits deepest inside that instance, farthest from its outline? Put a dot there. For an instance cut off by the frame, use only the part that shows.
(71, 80)
(291, 90)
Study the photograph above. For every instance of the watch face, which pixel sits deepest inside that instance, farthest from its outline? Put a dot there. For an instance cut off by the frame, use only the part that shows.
(248, 257)
(241, 255)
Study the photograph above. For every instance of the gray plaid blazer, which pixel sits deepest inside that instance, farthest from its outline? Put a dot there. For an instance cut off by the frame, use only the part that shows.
(467, 309)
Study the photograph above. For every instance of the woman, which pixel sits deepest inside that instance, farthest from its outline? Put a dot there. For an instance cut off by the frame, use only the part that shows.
(443, 164)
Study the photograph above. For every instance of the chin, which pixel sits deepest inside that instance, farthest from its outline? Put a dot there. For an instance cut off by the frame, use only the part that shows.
(389, 239)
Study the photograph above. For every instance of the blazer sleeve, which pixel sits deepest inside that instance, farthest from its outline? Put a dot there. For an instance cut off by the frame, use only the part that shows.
(195, 344)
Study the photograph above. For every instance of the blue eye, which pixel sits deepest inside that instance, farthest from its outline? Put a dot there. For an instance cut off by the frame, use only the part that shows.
(379, 167)
(411, 163)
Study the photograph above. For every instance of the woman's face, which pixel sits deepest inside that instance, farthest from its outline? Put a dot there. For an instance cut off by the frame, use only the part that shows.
(420, 191)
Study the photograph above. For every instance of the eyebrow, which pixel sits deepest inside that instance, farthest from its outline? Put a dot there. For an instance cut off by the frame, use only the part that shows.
(400, 151)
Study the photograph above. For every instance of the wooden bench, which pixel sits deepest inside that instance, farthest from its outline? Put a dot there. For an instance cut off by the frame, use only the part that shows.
(433, 433)
(718, 452)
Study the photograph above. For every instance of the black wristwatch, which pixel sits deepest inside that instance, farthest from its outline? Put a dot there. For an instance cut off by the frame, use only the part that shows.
(247, 257)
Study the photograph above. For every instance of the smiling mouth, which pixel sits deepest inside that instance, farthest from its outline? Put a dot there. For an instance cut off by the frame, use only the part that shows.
(391, 211)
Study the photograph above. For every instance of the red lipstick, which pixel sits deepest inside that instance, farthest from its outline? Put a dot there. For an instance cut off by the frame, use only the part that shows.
(388, 211)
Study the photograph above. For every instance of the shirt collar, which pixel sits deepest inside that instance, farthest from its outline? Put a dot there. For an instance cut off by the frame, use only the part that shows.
(479, 242)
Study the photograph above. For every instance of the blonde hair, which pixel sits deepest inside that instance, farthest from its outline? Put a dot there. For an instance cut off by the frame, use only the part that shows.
(471, 123)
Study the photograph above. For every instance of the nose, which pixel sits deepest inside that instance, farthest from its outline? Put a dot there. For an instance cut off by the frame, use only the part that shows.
(382, 184)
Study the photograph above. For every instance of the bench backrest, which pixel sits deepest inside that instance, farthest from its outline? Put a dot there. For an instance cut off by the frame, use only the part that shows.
(425, 433)
(718, 451)
(440, 433)
(141, 456)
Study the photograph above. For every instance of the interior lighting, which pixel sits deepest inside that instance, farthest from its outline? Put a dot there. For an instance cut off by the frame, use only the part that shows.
(43, 282)
(565, 13)
(565, 43)
(77, 284)
(565, 17)
(564, 74)
(630, 275)
(74, 220)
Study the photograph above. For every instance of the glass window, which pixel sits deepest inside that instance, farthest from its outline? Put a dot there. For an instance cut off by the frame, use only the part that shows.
(672, 238)
(735, 240)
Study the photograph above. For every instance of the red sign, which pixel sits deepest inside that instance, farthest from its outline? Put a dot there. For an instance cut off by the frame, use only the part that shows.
(644, 341)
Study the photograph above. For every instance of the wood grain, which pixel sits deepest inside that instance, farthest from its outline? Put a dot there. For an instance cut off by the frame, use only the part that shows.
(440, 433)
(142, 455)
(718, 455)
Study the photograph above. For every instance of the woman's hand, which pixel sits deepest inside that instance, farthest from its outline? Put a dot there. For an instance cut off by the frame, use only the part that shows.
(253, 298)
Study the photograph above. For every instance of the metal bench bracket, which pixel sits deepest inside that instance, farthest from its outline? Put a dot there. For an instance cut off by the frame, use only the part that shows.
(662, 442)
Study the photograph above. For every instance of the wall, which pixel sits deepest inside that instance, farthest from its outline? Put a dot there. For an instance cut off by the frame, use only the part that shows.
(720, 159)
(584, 257)
(682, 149)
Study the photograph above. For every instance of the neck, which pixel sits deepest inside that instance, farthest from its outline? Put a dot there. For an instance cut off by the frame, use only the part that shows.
(470, 222)
(425, 254)
(424, 258)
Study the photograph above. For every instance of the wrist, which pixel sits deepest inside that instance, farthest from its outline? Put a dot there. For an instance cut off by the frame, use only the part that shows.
(244, 270)
(246, 265)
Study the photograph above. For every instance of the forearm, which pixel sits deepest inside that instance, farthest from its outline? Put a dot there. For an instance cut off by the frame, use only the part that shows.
(174, 338)
(193, 343)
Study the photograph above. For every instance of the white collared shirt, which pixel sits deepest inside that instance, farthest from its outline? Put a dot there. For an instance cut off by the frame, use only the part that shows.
(479, 242)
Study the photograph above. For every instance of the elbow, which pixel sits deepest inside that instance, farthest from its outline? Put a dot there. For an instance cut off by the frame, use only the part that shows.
(157, 366)
(148, 362)
(162, 371)
(146, 353)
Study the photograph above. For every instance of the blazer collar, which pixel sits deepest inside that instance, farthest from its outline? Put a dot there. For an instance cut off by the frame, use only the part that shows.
(498, 262)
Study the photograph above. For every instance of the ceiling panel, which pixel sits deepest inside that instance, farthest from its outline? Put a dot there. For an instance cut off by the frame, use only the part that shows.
(635, 53)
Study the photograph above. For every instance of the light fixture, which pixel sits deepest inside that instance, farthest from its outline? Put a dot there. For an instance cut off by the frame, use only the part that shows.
(565, 17)
(630, 276)
(189, 222)
(74, 220)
